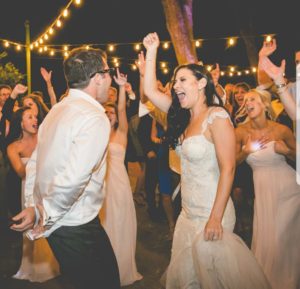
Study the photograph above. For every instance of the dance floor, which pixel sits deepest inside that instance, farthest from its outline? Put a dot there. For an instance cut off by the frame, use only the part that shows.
(152, 253)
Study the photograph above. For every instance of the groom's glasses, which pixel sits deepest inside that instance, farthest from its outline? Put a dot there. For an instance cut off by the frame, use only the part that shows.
(111, 71)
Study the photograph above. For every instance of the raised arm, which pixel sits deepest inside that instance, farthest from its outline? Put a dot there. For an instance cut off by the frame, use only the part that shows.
(267, 49)
(8, 107)
(276, 73)
(215, 74)
(121, 80)
(159, 99)
(47, 77)
(141, 63)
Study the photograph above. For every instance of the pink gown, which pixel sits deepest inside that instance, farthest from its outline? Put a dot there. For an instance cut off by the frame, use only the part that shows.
(276, 224)
(118, 215)
(38, 262)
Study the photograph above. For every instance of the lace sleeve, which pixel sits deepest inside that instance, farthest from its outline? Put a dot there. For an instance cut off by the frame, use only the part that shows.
(215, 113)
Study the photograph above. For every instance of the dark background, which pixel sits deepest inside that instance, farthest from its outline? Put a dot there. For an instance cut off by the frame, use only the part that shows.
(101, 22)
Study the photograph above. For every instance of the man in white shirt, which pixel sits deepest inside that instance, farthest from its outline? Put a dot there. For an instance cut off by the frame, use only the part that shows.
(64, 177)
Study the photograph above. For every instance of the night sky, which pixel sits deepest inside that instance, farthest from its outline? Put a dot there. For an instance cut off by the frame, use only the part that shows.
(128, 21)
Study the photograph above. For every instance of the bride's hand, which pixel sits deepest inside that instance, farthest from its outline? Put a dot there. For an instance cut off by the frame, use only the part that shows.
(213, 230)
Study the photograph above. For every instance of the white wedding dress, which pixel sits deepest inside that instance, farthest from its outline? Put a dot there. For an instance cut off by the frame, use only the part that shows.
(38, 263)
(196, 263)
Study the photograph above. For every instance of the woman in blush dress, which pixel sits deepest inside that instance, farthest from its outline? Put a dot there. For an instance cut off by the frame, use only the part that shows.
(205, 252)
(38, 263)
(118, 215)
(266, 145)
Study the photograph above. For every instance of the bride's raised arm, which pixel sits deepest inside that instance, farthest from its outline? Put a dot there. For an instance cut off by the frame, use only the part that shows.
(159, 99)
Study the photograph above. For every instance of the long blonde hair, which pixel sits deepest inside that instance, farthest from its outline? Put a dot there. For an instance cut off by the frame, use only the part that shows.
(265, 97)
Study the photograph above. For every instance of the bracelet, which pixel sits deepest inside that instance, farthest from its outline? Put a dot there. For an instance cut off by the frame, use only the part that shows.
(281, 85)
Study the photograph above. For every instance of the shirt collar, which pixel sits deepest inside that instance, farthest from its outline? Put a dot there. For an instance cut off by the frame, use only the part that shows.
(85, 96)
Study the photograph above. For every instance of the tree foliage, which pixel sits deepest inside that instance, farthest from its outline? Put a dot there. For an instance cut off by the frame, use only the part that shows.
(9, 74)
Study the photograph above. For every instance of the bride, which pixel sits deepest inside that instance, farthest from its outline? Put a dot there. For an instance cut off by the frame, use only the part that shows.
(205, 252)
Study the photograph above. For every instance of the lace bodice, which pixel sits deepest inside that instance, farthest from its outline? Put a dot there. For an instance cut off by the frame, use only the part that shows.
(200, 171)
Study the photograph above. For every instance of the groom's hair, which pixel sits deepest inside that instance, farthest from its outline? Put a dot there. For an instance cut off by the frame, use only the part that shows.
(81, 65)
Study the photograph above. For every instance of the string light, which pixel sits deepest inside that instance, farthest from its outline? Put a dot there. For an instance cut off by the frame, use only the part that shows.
(111, 48)
(231, 41)
(166, 45)
(198, 43)
(65, 13)
(58, 23)
(268, 38)
(137, 47)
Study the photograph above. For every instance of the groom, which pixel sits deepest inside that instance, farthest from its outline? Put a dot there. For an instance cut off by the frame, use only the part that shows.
(64, 177)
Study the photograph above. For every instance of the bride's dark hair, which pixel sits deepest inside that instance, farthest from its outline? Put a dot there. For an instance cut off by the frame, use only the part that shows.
(178, 117)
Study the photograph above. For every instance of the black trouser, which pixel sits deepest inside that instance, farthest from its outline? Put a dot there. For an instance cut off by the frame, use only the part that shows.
(85, 256)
